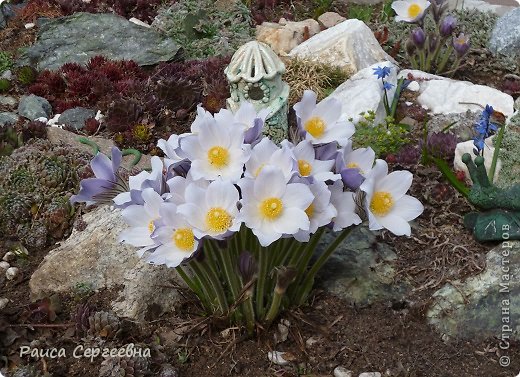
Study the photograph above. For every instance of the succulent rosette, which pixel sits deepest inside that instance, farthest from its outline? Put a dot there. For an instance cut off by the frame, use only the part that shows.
(221, 203)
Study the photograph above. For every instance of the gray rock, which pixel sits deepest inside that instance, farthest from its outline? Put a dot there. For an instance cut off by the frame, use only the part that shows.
(95, 258)
(79, 37)
(517, 104)
(342, 372)
(76, 117)
(7, 75)
(33, 107)
(361, 270)
(505, 37)
(370, 374)
(480, 307)
(463, 127)
(8, 101)
(8, 118)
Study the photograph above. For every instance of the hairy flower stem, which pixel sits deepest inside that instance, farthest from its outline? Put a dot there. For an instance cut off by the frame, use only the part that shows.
(260, 283)
(308, 282)
(274, 309)
(210, 291)
(496, 152)
(195, 285)
(422, 59)
(445, 58)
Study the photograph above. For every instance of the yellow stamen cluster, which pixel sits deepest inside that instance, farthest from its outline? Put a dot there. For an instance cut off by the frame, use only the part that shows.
(304, 167)
(218, 219)
(151, 227)
(218, 157)
(315, 126)
(184, 239)
(271, 208)
(310, 210)
(381, 203)
(414, 10)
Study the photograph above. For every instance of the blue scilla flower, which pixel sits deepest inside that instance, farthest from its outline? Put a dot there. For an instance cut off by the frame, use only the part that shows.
(484, 129)
(381, 72)
(387, 86)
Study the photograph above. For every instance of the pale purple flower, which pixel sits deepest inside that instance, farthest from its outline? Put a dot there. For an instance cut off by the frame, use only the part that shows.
(107, 183)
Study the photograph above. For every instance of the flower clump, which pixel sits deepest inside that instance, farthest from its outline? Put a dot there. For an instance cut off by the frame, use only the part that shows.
(432, 50)
(225, 198)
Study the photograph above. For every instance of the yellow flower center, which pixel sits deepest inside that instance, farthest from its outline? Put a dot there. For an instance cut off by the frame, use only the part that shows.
(381, 203)
(218, 157)
(310, 210)
(315, 126)
(184, 239)
(271, 208)
(218, 219)
(352, 165)
(304, 167)
(151, 227)
(414, 10)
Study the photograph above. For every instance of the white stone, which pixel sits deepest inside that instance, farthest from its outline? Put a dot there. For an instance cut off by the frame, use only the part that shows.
(3, 303)
(350, 45)
(139, 22)
(413, 86)
(12, 273)
(446, 96)
(4, 265)
(480, 5)
(370, 374)
(9, 256)
(342, 372)
(277, 357)
(283, 37)
(467, 147)
(330, 19)
(7, 75)
(29, 25)
(95, 256)
(363, 92)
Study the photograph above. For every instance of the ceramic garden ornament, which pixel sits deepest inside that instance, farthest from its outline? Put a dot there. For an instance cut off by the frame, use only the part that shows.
(255, 76)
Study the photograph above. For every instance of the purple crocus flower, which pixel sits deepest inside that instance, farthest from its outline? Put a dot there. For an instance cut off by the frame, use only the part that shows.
(325, 152)
(418, 37)
(107, 184)
(254, 134)
(448, 25)
(461, 44)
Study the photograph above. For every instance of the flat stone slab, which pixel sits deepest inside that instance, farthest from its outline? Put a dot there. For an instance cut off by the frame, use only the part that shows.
(505, 37)
(482, 305)
(79, 37)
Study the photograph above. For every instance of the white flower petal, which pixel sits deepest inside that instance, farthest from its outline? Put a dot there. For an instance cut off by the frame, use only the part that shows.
(396, 183)
(297, 195)
(136, 236)
(408, 208)
(395, 224)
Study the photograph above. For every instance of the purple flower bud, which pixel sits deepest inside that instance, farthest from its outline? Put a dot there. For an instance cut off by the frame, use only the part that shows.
(461, 45)
(351, 178)
(448, 25)
(247, 266)
(418, 37)
(433, 40)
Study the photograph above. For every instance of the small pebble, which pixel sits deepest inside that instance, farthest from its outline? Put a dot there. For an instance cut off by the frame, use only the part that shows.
(311, 341)
(12, 273)
(370, 374)
(7, 75)
(30, 25)
(277, 358)
(3, 302)
(342, 372)
(9, 256)
(4, 265)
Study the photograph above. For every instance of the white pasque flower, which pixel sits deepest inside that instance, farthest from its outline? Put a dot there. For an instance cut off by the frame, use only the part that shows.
(212, 211)
(244, 118)
(177, 188)
(171, 149)
(361, 159)
(271, 207)
(308, 165)
(141, 220)
(153, 179)
(322, 122)
(387, 205)
(409, 10)
(320, 211)
(345, 205)
(216, 152)
(174, 235)
(267, 153)
(202, 117)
